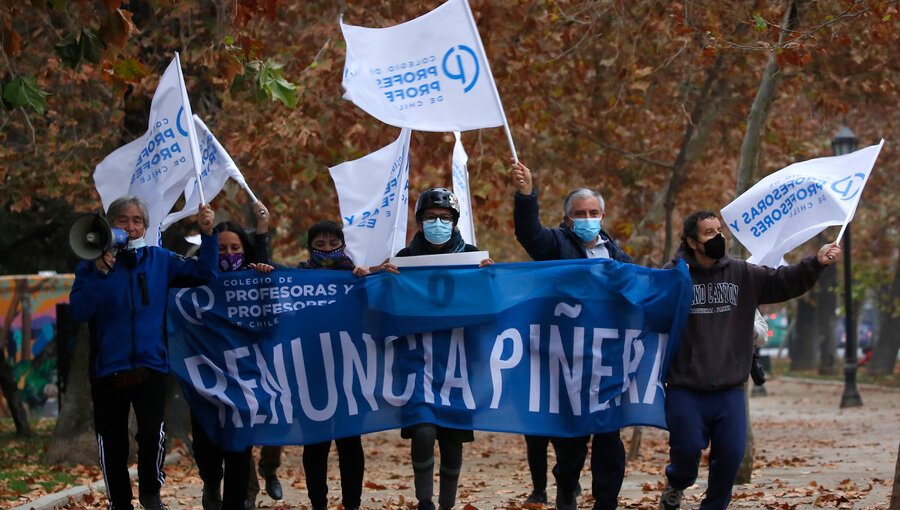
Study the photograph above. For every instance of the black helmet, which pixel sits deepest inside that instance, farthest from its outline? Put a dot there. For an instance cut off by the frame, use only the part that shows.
(437, 197)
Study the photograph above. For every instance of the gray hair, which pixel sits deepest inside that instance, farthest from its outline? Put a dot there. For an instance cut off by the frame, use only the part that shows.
(120, 204)
(579, 194)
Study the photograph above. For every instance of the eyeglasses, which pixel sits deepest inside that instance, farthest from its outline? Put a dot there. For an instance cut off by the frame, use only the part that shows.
(431, 218)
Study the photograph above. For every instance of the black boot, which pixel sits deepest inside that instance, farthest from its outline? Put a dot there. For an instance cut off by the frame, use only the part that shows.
(273, 486)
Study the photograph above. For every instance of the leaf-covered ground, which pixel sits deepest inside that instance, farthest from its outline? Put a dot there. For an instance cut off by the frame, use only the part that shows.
(809, 454)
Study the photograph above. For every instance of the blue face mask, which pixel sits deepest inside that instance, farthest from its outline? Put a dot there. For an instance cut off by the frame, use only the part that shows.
(437, 232)
(586, 228)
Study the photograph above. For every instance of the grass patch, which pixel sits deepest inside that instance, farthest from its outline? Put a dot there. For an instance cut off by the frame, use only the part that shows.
(782, 366)
(21, 471)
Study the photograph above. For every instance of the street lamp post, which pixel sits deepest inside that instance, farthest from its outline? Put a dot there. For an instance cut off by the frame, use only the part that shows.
(845, 142)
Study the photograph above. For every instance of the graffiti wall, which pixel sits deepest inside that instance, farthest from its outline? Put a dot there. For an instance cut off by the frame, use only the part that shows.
(28, 330)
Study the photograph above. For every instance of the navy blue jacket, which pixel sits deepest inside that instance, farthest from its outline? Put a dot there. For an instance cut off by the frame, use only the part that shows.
(126, 308)
(544, 243)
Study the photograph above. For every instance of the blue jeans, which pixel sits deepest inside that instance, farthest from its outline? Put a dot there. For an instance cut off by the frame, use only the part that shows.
(700, 418)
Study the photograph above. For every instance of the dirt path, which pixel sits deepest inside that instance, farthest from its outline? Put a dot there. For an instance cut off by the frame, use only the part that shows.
(810, 454)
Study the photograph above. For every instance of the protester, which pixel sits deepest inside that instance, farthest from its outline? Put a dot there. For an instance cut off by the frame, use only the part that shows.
(704, 394)
(122, 296)
(269, 456)
(236, 253)
(325, 242)
(578, 236)
(437, 213)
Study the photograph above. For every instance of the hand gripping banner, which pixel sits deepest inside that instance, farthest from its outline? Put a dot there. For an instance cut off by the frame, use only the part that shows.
(560, 348)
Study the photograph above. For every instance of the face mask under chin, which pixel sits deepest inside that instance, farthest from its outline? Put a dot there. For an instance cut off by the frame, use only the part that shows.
(134, 244)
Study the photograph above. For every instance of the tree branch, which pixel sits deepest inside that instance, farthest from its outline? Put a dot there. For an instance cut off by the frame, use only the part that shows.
(628, 154)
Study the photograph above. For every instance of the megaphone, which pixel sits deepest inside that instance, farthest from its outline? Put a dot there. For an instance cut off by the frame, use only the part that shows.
(92, 235)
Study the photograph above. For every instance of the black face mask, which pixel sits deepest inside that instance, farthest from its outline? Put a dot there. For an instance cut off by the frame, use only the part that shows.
(715, 248)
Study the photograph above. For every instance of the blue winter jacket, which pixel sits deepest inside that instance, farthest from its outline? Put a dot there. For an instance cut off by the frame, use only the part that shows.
(544, 243)
(126, 308)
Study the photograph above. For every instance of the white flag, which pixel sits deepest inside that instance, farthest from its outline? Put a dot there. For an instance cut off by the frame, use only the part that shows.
(466, 223)
(216, 166)
(428, 74)
(157, 165)
(790, 206)
(373, 194)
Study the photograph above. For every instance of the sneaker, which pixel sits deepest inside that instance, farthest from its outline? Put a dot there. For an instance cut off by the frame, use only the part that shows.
(250, 503)
(425, 504)
(670, 499)
(211, 499)
(152, 503)
(537, 497)
(273, 487)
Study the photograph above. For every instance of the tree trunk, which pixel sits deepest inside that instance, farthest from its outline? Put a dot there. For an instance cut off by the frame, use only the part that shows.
(803, 343)
(825, 294)
(750, 147)
(703, 116)
(73, 439)
(887, 342)
(11, 394)
(7, 376)
(634, 448)
(745, 472)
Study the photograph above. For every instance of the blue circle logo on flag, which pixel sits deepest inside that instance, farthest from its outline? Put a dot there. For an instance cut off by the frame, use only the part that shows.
(455, 68)
(178, 122)
(849, 186)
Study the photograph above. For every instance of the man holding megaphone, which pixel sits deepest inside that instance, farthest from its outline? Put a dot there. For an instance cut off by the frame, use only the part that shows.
(121, 291)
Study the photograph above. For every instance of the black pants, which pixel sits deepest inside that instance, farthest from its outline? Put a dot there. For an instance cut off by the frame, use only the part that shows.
(269, 462)
(607, 465)
(112, 405)
(607, 469)
(352, 462)
(536, 446)
(210, 459)
(570, 455)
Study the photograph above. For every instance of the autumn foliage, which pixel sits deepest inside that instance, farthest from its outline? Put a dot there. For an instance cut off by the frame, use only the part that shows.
(598, 94)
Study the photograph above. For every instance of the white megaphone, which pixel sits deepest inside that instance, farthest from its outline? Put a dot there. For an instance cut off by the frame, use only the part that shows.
(92, 235)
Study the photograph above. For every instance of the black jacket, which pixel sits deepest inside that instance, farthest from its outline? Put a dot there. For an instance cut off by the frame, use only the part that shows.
(544, 243)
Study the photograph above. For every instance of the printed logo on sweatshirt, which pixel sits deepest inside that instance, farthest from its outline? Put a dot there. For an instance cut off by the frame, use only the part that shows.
(722, 293)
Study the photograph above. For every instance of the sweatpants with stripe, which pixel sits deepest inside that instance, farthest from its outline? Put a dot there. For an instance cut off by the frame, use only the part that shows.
(700, 418)
(112, 406)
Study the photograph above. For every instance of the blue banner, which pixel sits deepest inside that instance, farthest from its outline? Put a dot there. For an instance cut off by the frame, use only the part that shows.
(560, 348)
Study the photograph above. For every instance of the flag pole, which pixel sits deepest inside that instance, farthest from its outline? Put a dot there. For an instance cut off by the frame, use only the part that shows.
(862, 187)
(246, 187)
(408, 133)
(192, 133)
(509, 138)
